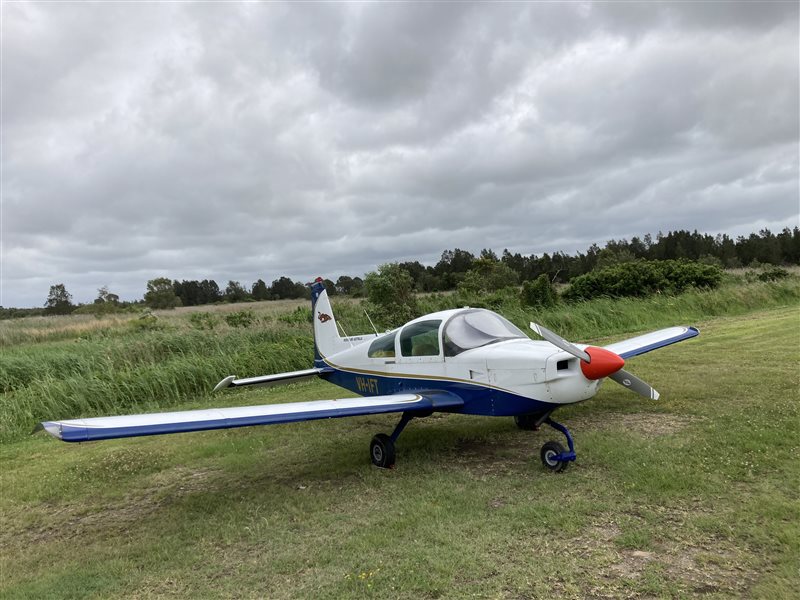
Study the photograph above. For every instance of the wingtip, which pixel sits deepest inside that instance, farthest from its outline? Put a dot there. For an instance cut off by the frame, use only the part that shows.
(224, 383)
(50, 427)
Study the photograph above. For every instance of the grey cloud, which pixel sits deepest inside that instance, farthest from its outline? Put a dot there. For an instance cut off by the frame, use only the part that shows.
(258, 140)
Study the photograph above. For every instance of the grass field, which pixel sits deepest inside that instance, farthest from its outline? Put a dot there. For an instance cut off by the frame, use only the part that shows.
(695, 495)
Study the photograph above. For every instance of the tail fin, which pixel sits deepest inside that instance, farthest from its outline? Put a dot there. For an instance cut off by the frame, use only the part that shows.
(326, 336)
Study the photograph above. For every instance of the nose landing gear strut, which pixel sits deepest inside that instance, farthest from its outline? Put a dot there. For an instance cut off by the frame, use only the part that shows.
(554, 457)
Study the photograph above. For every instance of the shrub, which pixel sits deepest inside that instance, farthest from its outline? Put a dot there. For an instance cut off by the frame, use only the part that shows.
(203, 320)
(240, 318)
(390, 295)
(486, 276)
(643, 278)
(299, 316)
(540, 292)
(773, 274)
(146, 322)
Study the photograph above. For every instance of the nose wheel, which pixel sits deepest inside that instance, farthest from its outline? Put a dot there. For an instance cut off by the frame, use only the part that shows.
(554, 457)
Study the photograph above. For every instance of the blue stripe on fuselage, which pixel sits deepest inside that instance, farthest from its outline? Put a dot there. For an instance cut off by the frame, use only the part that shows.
(478, 399)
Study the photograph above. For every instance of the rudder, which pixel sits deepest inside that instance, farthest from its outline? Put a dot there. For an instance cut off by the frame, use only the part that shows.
(326, 335)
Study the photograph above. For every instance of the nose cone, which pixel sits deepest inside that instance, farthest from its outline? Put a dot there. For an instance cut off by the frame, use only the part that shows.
(604, 363)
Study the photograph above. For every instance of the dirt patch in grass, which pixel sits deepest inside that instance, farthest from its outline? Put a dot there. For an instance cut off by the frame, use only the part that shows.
(517, 449)
(644, 424)
(691, 565)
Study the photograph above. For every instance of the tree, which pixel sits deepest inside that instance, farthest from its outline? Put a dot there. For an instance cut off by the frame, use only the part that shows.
(189, 292)
(161, 294)
(286, 288)
(235, 292)
(330, 287)
(390, 295)
(539, 292)
(209, 292)
(106, 297)
(349, 286)
(59, 301)
(260, 290)
(104, 304)
(487, 275)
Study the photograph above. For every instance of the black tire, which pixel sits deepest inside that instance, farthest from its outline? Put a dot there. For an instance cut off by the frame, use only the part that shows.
(527, 422)
(549, 451)
(381, 451)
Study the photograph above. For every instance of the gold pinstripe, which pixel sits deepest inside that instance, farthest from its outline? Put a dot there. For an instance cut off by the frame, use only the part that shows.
(412, 376)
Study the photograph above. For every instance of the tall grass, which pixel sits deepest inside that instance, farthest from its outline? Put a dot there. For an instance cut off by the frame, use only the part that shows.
(120, 369)
(141, 371)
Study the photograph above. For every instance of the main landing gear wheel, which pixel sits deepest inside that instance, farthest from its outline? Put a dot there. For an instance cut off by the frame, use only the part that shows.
(551, 457)
(381, 450)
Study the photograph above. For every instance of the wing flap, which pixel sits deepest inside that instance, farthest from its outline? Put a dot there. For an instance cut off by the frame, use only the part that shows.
(104, 428)
(652, 341)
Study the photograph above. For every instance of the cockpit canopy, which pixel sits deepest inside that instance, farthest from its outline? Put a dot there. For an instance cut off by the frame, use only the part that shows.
(465, 330)
(475, 328)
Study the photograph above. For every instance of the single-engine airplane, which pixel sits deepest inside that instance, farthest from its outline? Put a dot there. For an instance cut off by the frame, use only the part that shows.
(468, 361)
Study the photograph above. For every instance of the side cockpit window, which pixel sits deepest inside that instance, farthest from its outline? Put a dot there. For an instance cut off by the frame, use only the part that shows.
(420, 339)
(383, 347)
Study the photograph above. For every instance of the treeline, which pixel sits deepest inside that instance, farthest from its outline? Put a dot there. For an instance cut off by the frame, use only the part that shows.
(460, 269)
(452, 269)
(764, 247)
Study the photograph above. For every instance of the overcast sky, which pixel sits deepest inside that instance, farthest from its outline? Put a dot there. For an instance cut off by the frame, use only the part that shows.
(246, 141)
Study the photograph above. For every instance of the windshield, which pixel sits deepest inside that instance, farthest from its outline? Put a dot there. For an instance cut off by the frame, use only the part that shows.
(475, 328)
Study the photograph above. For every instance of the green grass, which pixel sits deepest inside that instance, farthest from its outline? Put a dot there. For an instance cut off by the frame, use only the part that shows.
(696, 494)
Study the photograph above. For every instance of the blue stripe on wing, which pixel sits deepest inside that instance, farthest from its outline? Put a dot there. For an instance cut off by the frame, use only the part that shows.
(652, 341)
(104, 428)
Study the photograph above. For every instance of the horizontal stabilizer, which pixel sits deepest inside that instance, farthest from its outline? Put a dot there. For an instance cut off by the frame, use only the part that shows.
(293, 376)
(652, 341)
(104, 428)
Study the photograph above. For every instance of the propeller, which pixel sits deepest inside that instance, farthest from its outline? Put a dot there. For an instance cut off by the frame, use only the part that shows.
(597, 363)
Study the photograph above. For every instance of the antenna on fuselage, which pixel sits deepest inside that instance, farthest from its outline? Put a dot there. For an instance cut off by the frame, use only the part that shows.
(344, 334)
(371, 323)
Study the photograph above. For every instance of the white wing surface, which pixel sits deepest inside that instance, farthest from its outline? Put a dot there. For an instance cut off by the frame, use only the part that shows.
(652, 341)
(104, 428)
(293, 376)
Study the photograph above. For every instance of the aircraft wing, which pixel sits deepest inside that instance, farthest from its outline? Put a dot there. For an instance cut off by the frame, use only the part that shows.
(104, 428)
(652, 341)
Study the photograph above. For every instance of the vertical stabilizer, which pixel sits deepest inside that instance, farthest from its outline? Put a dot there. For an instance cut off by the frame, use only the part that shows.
(326, 335)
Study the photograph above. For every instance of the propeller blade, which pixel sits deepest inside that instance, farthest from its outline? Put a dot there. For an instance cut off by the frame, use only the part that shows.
(560, 342)
(634, 384)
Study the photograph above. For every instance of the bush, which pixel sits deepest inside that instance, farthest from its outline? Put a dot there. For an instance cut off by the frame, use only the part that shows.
(146, 322)
(299, 316)
(241, 318)
(540, 292)
(773, 274)
(487, 276)
(643, 278)
(390, 295)
(203, 320)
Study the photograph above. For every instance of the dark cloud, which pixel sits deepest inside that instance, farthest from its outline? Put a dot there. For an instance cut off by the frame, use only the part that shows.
(245, 141)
